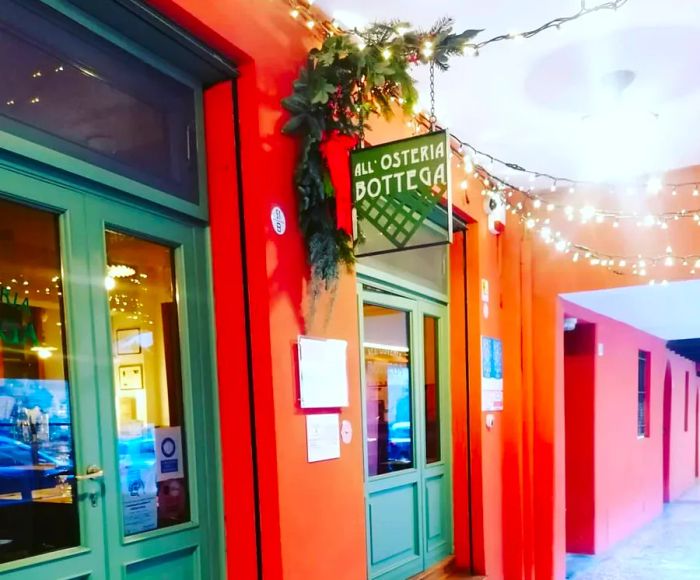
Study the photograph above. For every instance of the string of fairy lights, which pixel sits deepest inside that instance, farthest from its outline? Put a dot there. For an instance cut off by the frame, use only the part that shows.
(549, 199)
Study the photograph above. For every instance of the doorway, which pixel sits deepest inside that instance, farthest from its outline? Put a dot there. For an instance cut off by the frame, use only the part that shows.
(407, 432)
(107, 457)
(580, 396)
(668, 407)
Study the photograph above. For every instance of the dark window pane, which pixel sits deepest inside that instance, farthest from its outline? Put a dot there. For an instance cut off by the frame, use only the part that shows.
(432, 390)
(106, 106)
(388, 387)
(38, 510)
(147, 373)
(643, 394)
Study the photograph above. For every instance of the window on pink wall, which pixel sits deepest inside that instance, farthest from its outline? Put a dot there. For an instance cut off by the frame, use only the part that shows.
(687, 400)
(643, 390)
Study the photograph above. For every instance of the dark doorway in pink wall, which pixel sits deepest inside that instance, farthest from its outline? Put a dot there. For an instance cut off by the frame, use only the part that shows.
(579, 393)
(668, 399)
(697, 434)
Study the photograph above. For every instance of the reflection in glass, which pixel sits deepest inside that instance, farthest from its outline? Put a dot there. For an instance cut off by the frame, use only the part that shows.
(147, 375)
(432, 390)
(38, 510)
(388, 387)
(105, 105)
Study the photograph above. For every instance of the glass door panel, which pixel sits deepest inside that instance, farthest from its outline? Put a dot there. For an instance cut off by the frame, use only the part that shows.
(158, 406)
(388, 390)
(51, 509)
(141, 285)
(38, 503)
(431, 375)
(406, 410)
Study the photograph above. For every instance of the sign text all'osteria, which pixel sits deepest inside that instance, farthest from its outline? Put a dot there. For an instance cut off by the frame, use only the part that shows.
(396, 185)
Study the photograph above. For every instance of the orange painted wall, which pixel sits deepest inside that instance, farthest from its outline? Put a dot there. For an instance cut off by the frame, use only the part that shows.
(312, 515)
(517, 484)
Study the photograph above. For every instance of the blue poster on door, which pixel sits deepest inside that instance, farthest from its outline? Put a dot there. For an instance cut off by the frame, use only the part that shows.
(491, 374)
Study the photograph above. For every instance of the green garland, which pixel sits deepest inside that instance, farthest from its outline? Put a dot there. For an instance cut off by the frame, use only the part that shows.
(344, 83)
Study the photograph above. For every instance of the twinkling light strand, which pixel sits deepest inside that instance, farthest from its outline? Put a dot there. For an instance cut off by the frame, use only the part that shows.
(557, 23)
(558, 183)
(523, 202)
(314, 19)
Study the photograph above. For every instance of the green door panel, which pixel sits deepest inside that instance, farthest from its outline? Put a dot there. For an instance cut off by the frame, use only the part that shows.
(88, 559)
(409, 511)
(191, 550)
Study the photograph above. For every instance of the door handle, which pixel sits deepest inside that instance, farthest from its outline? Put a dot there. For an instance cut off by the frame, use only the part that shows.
(92, 472)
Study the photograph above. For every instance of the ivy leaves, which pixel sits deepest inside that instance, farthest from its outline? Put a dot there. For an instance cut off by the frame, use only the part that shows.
(343, 83)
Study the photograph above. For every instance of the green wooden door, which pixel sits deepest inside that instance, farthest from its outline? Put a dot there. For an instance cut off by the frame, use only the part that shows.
(407, 435)
(124, 434)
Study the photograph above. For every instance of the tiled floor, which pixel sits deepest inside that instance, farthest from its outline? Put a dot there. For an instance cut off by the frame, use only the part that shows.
(666, 549)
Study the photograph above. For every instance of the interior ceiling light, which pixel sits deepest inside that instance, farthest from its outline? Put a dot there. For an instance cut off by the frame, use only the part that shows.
(120, 271)
(44, 352)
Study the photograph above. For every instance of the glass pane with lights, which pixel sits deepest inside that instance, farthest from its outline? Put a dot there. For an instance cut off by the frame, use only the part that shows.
(102, 103)
(431, 370)
(38, 501)
(140, 282)
(388, 387)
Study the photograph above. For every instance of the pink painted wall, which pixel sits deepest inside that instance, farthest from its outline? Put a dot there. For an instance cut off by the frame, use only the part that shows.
(628, 470)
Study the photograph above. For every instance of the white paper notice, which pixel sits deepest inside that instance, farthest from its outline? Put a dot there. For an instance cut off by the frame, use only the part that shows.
(323, 373)
(322, 437)
(169, 453)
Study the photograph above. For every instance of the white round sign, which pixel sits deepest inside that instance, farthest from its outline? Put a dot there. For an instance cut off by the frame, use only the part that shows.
(279, 220)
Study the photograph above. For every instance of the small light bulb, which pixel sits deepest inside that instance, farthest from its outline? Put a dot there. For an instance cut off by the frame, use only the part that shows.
(550, 207)
(294, 13)
(464, 184)
(654, 186)
(696, 192)
(537, 204)
(386, 53)
(530, 224)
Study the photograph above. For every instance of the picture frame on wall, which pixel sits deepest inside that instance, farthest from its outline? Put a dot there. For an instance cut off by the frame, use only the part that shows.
(131, 377)
(129, 341)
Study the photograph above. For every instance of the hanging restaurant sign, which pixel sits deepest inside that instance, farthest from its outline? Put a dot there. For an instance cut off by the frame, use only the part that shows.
(397, 185)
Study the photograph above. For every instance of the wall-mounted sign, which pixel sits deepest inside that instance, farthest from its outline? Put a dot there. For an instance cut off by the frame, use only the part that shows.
(323, 373)
(279, 220)
(397, 185)
(322, 437)
(491, 374)
(169, 453)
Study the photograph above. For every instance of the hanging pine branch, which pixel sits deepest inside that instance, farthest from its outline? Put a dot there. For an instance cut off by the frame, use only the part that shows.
(344, 83)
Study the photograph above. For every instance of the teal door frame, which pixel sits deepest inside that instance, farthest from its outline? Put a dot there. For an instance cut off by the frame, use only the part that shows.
(84, 214)
(397, 547)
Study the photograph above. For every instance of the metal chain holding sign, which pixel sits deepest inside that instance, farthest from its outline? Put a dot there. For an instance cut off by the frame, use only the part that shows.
(433, 118)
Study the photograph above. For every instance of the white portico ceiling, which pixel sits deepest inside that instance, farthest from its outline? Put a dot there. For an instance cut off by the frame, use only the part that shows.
(542, 102)
(670, 311)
